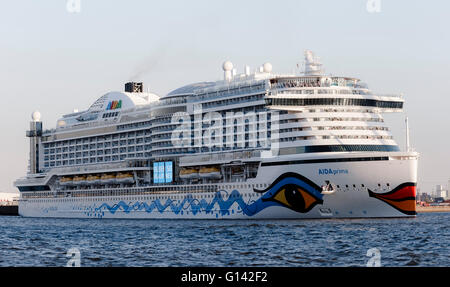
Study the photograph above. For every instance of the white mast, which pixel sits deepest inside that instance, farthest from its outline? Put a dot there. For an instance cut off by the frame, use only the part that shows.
(407, 134)
(313, 67)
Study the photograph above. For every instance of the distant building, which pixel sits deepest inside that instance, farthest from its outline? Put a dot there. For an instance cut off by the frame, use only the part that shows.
(425, 197)
(440, 192)
(448, 189)
(6, 197)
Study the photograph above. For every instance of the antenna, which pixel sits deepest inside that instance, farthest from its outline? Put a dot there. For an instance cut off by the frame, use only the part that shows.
(407, 134)
(313, 67)
(247, 70)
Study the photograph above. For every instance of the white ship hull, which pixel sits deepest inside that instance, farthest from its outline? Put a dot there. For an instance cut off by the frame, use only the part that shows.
(238, 200)
(205, 147)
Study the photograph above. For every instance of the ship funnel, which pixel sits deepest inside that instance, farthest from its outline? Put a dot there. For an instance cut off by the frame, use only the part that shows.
(133, 87)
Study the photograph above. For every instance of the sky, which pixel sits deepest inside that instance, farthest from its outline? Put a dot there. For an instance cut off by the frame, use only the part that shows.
(55, 59)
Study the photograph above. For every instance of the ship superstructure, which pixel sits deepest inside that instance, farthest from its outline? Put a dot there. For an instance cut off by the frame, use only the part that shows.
(253, 145)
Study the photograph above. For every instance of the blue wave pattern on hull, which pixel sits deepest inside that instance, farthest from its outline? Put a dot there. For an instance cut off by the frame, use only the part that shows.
(189, 203)
(196, 206)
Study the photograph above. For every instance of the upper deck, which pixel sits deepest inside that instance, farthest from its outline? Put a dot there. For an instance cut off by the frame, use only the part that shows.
(317, 113)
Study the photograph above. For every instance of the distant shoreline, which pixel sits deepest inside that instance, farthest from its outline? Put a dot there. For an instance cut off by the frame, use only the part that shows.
(425, 209)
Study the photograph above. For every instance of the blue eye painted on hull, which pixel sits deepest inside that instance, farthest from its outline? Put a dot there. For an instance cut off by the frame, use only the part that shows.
(293, 191)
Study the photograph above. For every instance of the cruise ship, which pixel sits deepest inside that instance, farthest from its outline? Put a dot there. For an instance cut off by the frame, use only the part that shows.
(254, 145)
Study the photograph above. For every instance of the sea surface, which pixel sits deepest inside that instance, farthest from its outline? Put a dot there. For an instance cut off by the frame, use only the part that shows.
(421, 241)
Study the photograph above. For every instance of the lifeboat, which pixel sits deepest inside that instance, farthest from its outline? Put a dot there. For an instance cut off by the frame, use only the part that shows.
(108, 179)
(124, 178)
(66, 181)
(237, 170)
(189, 173)
(79, 180)
(93, 179)
(210, 172)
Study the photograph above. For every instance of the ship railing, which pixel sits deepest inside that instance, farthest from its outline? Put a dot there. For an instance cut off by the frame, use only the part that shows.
(147, 189)
(313, 91)
(92, 124)
(225, 86)
(124, 191)
(96, 167)
(220, 95)
(319, 91)
(164, 102)
(30, 180)
(220, 157)
(238, 88)
(390, 95)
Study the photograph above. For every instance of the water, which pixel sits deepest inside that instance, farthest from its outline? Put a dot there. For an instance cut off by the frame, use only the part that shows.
(421, 241)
